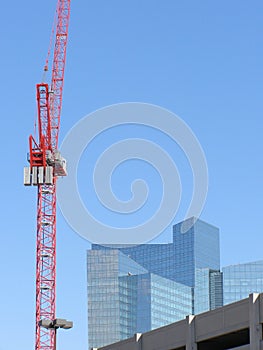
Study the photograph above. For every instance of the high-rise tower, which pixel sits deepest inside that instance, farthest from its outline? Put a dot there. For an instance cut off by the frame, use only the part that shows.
(138, 288)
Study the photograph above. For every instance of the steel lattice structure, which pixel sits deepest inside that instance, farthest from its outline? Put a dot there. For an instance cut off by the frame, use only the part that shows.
(46, 266)
(46, 165)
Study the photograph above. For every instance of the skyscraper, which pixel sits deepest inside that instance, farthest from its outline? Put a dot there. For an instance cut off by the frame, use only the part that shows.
(138, 288)
(242, 279)
(197, 263)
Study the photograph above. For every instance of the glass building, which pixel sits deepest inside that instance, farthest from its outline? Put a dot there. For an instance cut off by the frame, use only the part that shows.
(197, 262)
(134, 289)
(241, 280)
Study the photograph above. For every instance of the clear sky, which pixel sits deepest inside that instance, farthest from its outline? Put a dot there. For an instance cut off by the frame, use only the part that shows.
(200, 59)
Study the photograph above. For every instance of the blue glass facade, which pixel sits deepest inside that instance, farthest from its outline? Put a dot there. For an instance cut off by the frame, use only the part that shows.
(138, 288)
(112, 298)
(215, 289)
(241, 280)
(196, 259)
(197, 248)
(170, 301)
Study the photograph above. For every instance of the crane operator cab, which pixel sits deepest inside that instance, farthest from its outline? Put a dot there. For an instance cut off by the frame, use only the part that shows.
(44, 175)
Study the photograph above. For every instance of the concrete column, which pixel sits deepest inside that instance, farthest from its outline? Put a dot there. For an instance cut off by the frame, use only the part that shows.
(255, 328)
(138, 340)
(190, 340)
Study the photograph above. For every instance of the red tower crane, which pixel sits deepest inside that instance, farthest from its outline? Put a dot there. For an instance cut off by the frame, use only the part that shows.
(46, 165)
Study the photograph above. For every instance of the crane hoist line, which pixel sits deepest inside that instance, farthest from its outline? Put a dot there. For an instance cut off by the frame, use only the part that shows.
(46, 165)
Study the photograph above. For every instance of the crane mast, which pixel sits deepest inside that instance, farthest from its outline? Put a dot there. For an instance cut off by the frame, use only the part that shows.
(46, 165)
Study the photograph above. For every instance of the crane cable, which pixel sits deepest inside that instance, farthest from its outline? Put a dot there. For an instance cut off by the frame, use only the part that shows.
(45, 70)
(50, 44)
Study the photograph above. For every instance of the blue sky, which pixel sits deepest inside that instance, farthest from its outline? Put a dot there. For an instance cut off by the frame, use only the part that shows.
(200, 59)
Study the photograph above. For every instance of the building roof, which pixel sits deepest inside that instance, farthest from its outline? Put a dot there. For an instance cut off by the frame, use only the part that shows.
(234, 326)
